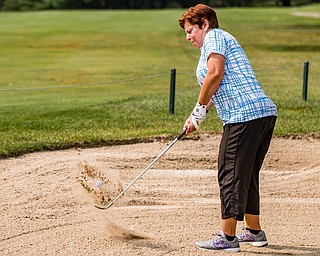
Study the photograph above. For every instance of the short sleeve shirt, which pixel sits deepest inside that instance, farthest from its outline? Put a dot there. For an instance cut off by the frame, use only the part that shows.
(239, 97)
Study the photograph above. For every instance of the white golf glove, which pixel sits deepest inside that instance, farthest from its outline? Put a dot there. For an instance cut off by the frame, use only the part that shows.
(198, 115)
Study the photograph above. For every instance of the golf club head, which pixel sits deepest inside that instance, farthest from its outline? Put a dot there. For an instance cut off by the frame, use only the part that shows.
(103, 207)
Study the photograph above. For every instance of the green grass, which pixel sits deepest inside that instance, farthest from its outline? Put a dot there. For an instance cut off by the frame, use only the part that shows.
(74, 78)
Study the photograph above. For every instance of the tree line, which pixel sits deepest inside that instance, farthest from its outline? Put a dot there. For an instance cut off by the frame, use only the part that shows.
(22, 5)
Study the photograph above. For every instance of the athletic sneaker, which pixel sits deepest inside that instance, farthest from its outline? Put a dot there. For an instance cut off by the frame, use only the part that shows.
(246, 237)
(220, 242)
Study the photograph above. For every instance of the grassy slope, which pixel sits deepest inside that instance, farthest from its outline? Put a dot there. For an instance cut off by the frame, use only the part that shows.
(43, 53)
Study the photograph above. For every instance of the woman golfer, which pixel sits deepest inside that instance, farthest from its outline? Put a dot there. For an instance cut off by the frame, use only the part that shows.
(228, 82)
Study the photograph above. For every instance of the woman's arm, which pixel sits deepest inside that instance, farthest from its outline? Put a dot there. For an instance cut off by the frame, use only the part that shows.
(216, 63)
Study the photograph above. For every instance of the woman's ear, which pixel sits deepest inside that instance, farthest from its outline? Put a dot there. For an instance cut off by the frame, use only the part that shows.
(205, 24)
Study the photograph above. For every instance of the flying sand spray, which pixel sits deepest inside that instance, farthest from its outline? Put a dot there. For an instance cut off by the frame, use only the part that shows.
(103, 186)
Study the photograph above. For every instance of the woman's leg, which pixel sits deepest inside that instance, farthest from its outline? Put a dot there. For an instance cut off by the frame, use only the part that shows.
(253, 200)
(229, 226)
(252, 221)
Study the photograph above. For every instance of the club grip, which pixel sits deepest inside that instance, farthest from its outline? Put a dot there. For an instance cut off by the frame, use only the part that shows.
(182, 134)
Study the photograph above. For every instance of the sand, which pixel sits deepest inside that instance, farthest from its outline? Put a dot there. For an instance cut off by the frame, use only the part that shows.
(47, 200)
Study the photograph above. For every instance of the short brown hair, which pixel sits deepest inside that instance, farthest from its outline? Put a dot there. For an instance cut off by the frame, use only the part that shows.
(197, 15)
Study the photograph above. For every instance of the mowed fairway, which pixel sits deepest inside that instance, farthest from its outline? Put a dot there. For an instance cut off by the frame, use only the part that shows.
(95, 77)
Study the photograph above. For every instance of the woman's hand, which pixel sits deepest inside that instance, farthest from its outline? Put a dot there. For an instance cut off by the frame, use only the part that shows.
(188, 125)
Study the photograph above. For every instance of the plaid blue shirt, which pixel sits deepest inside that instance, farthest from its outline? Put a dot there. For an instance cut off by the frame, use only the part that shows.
(239, 98)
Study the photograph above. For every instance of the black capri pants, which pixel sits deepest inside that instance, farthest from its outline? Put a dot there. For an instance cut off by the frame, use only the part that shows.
(242, 150)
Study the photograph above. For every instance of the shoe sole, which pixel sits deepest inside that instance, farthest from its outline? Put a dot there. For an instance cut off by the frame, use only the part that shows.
(256, 244)
(218, 249)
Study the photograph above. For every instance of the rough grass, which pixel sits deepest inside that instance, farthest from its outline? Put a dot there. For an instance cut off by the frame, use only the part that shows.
(84, 78)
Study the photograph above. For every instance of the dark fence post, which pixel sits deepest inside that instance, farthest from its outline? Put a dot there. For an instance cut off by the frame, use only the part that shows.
(172, 90)
(305, 81)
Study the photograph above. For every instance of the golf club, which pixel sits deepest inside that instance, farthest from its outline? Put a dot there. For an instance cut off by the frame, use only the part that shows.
(104, 207)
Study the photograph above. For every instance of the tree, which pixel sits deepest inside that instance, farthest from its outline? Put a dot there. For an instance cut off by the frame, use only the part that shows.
(136, 4)
(284, 2)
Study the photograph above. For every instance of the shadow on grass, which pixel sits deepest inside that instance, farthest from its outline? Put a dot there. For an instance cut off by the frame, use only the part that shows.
(301, 26)
(290, 48)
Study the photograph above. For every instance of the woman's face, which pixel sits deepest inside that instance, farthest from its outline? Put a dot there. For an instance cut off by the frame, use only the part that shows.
(195, 34)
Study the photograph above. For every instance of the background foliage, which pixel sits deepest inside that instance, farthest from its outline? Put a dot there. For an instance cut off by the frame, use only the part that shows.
(22, 5)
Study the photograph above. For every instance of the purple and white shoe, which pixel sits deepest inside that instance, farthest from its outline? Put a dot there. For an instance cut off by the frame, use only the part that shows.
(246, 237)
(220, 242)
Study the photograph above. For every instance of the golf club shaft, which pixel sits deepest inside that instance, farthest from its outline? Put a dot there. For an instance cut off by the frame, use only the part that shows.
(149, 166)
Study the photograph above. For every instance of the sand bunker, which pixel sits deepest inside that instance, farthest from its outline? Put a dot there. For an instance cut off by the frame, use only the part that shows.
(47, 200)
